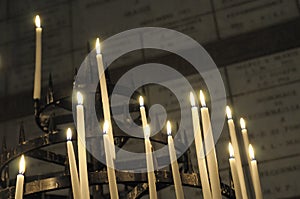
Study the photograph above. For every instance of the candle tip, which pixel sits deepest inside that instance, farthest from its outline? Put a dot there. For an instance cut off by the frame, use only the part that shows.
(141, 100)
(192, 99)
(79, 98)
(98, 46)
(69, 134)
(147, 131)
(228, 112)
(37, 21)
(169, 128)
(231, 151)
(242, 123)
(251, 152)
(22, 165)
(202, 98)
(105, 127)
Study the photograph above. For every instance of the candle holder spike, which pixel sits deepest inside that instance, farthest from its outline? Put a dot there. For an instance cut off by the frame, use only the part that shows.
(21, 133)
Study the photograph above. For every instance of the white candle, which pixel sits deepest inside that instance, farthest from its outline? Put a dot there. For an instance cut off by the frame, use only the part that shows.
(143, 112)
(104, 96)
(112, 183)
(73, 166)
(38, 59)
(255, 175)
(150, 167)
(174, 164)
(236, 152)
(200, 150)
(235, 177)
(212, 162)
(20, 179)
(83, 172)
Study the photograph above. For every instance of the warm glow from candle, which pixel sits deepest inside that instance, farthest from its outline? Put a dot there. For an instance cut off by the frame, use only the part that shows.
(98, 46)
(22, 165)
(79, 98)
(243, 123)
(228, 112)
(169, 128)
(202, 98)
(141, 99)
(147, 131)
(105, 127)
(37, 21)
(69, 134)
(192, 99)
(251, 152)
(231, 151)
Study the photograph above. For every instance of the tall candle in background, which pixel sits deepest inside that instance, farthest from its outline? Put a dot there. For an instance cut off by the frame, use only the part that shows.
(20, 179)
(200, 150)
(38, 59)
(255, 175)
(174, 164)
(112, 183)
(83, 172)
(212, 162)
(235, 177)
(73, 166)
(236, 152)
(150, 167)
(104, 96)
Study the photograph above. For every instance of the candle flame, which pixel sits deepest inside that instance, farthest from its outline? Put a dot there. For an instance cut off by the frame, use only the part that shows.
(251, 152)
(192, 99)
(169, 128)
(69, 134)
(202, 98)
(228, 112)
(105, 127)
(147, 131)
(79, 98)
(98, 46)
(141, 100)
(243, 123)
(231, 151)
(22, 165)
(37, 21)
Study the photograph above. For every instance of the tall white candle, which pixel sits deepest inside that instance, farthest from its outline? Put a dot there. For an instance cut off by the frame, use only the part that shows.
(246, 143)
(150, 167)
(38, 59)
(112, 183)
(83, 172)
(200, 150)
(212, 162)
(174, 164)
(104, 96)
(73, 166)
(235, 177)
(20, 179)
(236, 152)
(255, 175)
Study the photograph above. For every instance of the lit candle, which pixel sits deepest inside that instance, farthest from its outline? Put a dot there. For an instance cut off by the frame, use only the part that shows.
(143, 112)
(83, 172)
(104, 96)
(174, 164)
(38, 59)
(200, 150)
(73, 166)
(20, 179)
(150, 167)
(255, 175)
(212, 162)
(235, 177)
(246, 142)
(236, 152)
(112, 183)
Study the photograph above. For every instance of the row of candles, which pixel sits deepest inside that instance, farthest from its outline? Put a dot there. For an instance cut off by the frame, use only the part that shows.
(207, 164)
